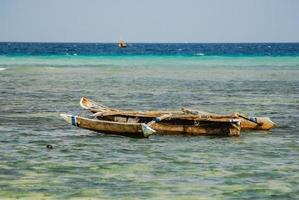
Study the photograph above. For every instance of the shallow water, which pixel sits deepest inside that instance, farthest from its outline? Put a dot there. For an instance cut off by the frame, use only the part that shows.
(83, 164)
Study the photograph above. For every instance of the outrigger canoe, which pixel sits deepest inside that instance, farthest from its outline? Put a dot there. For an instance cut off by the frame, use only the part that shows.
(247, 123)
(143, 124)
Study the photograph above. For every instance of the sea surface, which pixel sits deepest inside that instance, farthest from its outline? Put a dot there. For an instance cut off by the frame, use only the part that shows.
(38, 81)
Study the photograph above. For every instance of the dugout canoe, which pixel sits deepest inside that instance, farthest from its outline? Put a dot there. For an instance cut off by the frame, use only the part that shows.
(109, 127)
(247, 123)
(165, 125)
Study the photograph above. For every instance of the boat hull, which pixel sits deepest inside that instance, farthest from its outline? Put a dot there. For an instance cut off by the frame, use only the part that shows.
(109, 127)
(212, 128)
(221, 129)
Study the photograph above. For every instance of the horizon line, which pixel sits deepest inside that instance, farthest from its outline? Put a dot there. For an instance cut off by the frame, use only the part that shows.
(192, 42)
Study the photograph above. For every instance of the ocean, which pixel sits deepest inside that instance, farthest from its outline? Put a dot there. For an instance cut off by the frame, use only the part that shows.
(38, 81)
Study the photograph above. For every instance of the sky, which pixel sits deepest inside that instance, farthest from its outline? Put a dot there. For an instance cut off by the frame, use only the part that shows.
(149, 20)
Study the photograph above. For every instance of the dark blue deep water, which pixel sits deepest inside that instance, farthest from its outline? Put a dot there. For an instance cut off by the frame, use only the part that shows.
(38, 81)
(183, 49)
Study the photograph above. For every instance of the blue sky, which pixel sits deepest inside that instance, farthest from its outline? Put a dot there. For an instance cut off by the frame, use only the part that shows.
(149, 20)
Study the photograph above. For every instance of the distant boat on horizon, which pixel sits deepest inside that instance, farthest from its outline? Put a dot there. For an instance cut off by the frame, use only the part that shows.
(122, 44)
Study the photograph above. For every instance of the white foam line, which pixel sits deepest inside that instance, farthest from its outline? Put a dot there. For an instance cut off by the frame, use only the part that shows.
(1, 69)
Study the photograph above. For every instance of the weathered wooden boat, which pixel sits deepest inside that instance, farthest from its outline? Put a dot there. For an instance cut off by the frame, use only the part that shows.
(247, 123)
(145, 126)
(103, 126)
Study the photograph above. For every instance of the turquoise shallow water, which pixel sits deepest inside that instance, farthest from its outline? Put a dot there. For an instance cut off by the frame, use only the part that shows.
(257, 165)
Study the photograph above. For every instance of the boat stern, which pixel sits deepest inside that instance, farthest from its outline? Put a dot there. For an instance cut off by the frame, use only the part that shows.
(71, 119)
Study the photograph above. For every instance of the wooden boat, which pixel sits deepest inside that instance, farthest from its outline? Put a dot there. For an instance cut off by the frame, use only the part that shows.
(247, 123)
(119, 128)
(145, 126)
